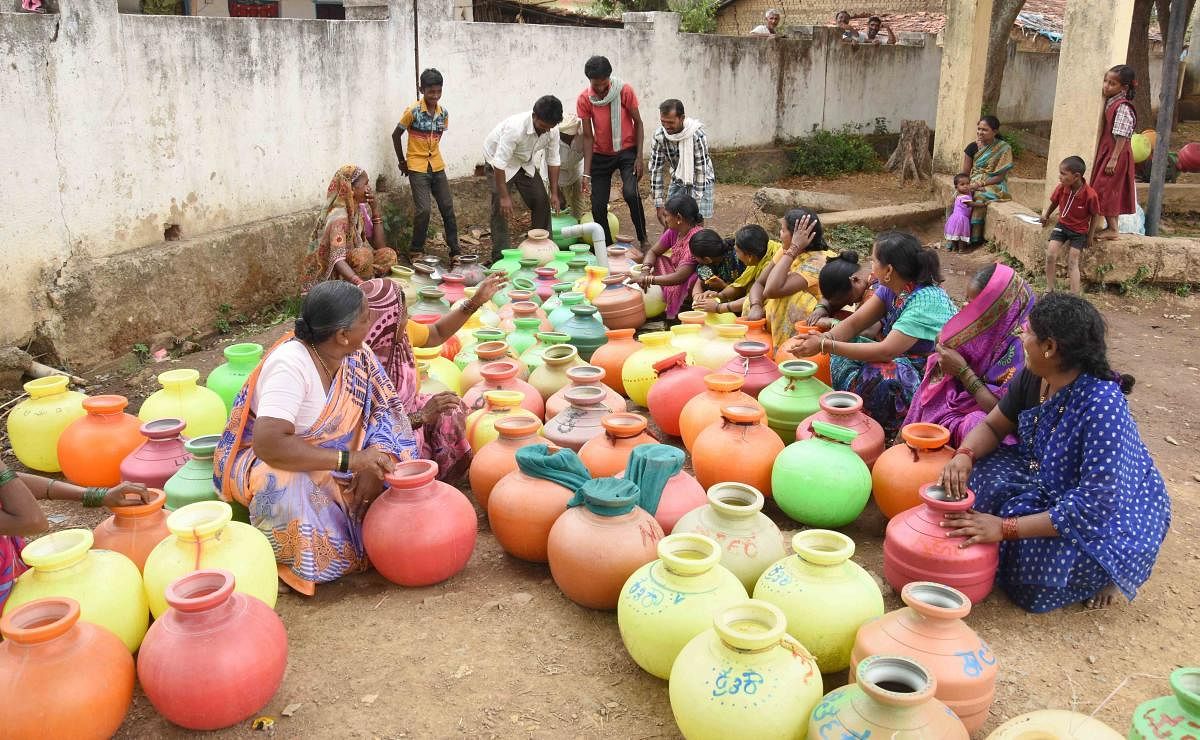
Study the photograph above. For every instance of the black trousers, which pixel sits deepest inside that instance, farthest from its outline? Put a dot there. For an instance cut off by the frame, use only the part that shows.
(533, 192)
(603, 166)
(423, 185)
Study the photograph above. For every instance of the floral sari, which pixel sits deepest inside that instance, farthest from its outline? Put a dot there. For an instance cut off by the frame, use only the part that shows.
(987, 333)
(783, 313)
(11, 564)
(989, 161)
(309, 516)
(339, 228)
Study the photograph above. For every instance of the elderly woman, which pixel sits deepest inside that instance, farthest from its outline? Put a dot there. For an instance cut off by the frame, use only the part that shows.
(769, 28)
(987, 160)
(1078, 506)
(347, 240)
(978, 352)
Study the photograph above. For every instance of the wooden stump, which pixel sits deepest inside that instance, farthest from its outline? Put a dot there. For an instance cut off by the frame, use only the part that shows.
(913, 158)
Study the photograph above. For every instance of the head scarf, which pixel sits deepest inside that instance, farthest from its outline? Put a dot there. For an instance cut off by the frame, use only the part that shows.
(321, 254)
(569, 125)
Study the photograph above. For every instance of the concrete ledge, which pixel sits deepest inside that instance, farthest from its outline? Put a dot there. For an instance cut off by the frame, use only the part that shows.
(1177, 197)
(887, 217)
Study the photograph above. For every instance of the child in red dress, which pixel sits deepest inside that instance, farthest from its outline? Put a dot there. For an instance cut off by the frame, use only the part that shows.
(1078, 205)
(1112, 169)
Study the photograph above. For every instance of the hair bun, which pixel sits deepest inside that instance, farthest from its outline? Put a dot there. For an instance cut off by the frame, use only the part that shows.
(849, 255)
(302, 329)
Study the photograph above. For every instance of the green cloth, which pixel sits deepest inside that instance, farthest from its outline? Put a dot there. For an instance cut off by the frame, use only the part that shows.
(925, 313)
(563, 467)
(607, 496)
(650, 467)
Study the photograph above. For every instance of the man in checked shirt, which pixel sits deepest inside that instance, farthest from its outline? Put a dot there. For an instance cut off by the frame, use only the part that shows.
(679, 143)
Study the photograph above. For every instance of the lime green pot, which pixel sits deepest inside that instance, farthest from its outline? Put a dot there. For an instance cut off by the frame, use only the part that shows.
(227, 379)
(793, 398)
(1172, 717)
(821, 481)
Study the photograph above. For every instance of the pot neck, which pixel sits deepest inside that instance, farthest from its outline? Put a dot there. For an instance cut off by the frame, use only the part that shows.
(934, 603)
(735, 500)
(1185, 683)
(823, 548)
(41, 621)
(900, 683)
(688, 555)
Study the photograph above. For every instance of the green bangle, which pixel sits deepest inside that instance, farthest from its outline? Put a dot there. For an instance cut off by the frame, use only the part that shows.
(94, 496)
(7, 476)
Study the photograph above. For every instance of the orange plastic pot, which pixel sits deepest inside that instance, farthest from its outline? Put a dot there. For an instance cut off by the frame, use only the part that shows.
(486, 352)
(723, 389)
(821, 358)
(612, 355)
(739, 448)
(503, 375)
(900, 471)
(498, 458)
(608, 454)
(92, 447)
(133, 531)
(757, 331)
(522, 510)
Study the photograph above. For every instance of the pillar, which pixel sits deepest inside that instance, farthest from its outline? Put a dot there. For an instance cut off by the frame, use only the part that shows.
(1085, 56)
(1191, 73)
(960, 97)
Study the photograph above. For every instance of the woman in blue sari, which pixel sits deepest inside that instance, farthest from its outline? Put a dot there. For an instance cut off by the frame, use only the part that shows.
(988, 160)
(911, 308)
(1078, 506)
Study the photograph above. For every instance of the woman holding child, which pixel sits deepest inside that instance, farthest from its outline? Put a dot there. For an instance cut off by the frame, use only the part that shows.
(988, 161)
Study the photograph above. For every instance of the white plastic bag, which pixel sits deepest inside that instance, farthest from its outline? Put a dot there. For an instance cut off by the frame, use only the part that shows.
(1132, 223)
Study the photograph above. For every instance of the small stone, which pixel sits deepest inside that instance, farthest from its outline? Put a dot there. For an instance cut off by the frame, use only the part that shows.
(521, 598)
(462, 672)
(1171, 439)
(291, 709)
(492, 605)
(369, 698)
(1196, 477)
(1091, 659)
(611, 704)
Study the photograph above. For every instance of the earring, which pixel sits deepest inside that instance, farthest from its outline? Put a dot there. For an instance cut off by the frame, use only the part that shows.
(1046, 355)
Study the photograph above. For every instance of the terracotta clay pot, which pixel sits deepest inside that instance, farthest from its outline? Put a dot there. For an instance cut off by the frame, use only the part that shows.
(467, 265)
(501, 375)
(498, 458)
(521, 510)
(586, 331)
(821, 358)
(159, 457)
(844, 409)
(686, 338)
(900, 472)
(580, 421)
(820, 481)
(620, 306)
(61, 678)
(538, 244)
(133, 531)
(607, 454)
(583, 375)
(612, 355)
(931, 631)
(723, 389)
(753, 364)
(1057, 723)
(91, 448)
(489, 352)
(915, 548)
(739, 448)
(678, 383)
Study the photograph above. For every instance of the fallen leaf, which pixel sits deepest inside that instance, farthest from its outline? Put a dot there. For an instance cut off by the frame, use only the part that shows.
(291, 709)
(369, 698)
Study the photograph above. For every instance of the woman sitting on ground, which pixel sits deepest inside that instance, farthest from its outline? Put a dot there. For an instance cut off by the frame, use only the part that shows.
(912, 309)
(21, 516)
(347, 240)
(311, 436)
(988, 160)
(1078, 506)
(673, 266)
(978, 351)
(788, 289)
(754, 249)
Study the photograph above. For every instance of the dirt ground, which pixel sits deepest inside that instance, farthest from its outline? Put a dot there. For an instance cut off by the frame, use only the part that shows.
(498, 651)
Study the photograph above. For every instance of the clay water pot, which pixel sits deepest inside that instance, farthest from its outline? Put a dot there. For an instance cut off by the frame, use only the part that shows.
(526, 272)
(900, 472)
(91, 448)
(744, 678)
(538, 245)
(915, 548)
(583, 375)
(583, 252)
(753, 364)
(757, 331)
(35, 424)
(467, 265)
(723, 389)
(522, 509)
(800, 329)
(893, 698)
(594, 548)
(750, 541)
(453, 287)
(637, 374)
(586, 331)
(486, 352)
(686, 338)
(524, 333)
(576, 271)
(698, 319)
(683, 494)
(792, 398)
(425, 275)
(739, 448)
(678, 383)
(498, 458)
(580, 421)
(825, 595)
(820, 481)
(194, 481)
(718, 351)
(468, 353)
(667, 602)
(1189, 157)
(159, 457)
(605, 455)
(844, 409)
(620, 306)
(532, 357)
(612, 355)
(402, 276)
(440, 369)
(430, 302)
(135, 530)
(60, 677)
(551, 376)
(497, 405)
(501, 375)
(523, 310)
(227, 379)
(618, 259)
(1175, 717)
(233, 645)
(931, 631)
(1055, 723)
(420, 531)
(427, 384)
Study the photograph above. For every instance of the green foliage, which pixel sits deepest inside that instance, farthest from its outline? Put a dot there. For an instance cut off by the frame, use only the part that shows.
(1015, 140)
(141, 352)
(828, 153)
(1184, 290)
(614, 8)
(1135, 281)
(397, 227)
(1102, 270)
(854, 237)
(695, 16)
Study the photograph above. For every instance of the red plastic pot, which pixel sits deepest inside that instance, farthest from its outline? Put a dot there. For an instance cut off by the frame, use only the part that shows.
(678, 382)
(159, 457)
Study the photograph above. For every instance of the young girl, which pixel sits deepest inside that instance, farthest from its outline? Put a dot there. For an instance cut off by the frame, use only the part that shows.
(789, 287)
(958, 226)
(754, 249)
(717, 264)
(1112, 168)
(843, 282)
(672, 262)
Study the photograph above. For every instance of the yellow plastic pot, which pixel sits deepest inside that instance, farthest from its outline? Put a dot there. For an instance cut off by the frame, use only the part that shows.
(203, 535)
(666, 603)
(497, 405)
(36, 423)
(106, 584)
(1054, 724)
(181, 398)
(440, 369)
(638, 374)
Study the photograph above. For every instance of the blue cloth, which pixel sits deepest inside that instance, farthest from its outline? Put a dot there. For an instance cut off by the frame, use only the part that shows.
(1080, 458)
(650, 467)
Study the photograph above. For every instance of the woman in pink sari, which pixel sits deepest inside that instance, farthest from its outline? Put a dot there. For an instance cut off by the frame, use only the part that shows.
(672, 261)
(979, 350)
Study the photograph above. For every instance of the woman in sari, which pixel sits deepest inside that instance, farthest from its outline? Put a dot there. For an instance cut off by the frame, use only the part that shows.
(438, 419)
(1078, 507)
(911, 308)
(979, 351)
(788, 289)
(311, 436)
(988, 160)
(671, 262)
(347, 240)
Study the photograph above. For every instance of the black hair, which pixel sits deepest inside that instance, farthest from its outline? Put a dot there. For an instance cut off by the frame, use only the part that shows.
(327, 309)
(792, 217)
(597, 68)
(685, 206)
(549, 110)
(992, 122)
(834, 279)
(753, 240)
(1128, 77)
(1078, 329)
(708, 243)
(980, 279)
(913, 262)
(1075, 164)
(874, 18)
(960, 177)
(431, 78)
(839, 14)
(671, 105)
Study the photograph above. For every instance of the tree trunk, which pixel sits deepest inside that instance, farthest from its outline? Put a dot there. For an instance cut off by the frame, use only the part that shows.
(1004, 14)
(1138, 55)
(912, 158)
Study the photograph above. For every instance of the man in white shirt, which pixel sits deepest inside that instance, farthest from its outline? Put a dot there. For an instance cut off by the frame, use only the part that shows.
(509, 151)
(769, 28)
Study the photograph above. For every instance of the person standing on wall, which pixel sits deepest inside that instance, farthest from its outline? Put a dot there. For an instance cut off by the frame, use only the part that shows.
(679, 142)
(509, 151)
(612, 140)
(426, 121)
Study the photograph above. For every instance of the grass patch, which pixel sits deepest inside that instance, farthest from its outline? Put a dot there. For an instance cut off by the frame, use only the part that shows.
(829, 153)
(854, 237)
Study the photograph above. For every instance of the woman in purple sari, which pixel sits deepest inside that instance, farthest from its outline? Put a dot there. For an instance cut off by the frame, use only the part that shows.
(979, 351)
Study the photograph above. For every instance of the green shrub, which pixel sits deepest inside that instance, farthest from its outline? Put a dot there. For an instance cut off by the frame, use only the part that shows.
(827, 153)
(1014, 140)
(695, 16)
(850, 236)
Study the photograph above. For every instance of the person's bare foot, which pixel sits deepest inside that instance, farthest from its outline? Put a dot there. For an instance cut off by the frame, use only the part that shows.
(1108, 596)
(1107, 234)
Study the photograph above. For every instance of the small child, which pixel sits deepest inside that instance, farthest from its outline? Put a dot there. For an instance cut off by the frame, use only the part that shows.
(426, 121)
(958, 225)
(1078, 206)
(717, 264)
(1112, 169)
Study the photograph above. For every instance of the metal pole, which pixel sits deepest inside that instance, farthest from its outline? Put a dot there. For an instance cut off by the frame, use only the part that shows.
(1166, 114)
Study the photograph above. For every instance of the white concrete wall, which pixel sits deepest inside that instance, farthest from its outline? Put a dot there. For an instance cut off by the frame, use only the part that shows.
(1030, 78)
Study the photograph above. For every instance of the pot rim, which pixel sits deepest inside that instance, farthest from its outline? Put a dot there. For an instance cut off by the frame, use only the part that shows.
(935, 600)
(199, 520)
(750, 499)
(58, 550)
(157, 499)
(200, 590)
(825, 547)
(672, 546)
(109, 404)
(895, 669)
(728, 625)
(40, 620)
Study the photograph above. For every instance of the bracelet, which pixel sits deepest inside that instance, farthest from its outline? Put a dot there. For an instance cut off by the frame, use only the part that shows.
(588, 176)
(377, 220)
(470, 307)
(822, 346)
(343, 465)
(1008, 529)
(7, 476)
(962, 370)
(92, 497)
(964, 450)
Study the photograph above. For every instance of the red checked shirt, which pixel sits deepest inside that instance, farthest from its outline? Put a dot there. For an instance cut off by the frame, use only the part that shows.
(1076, 208)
